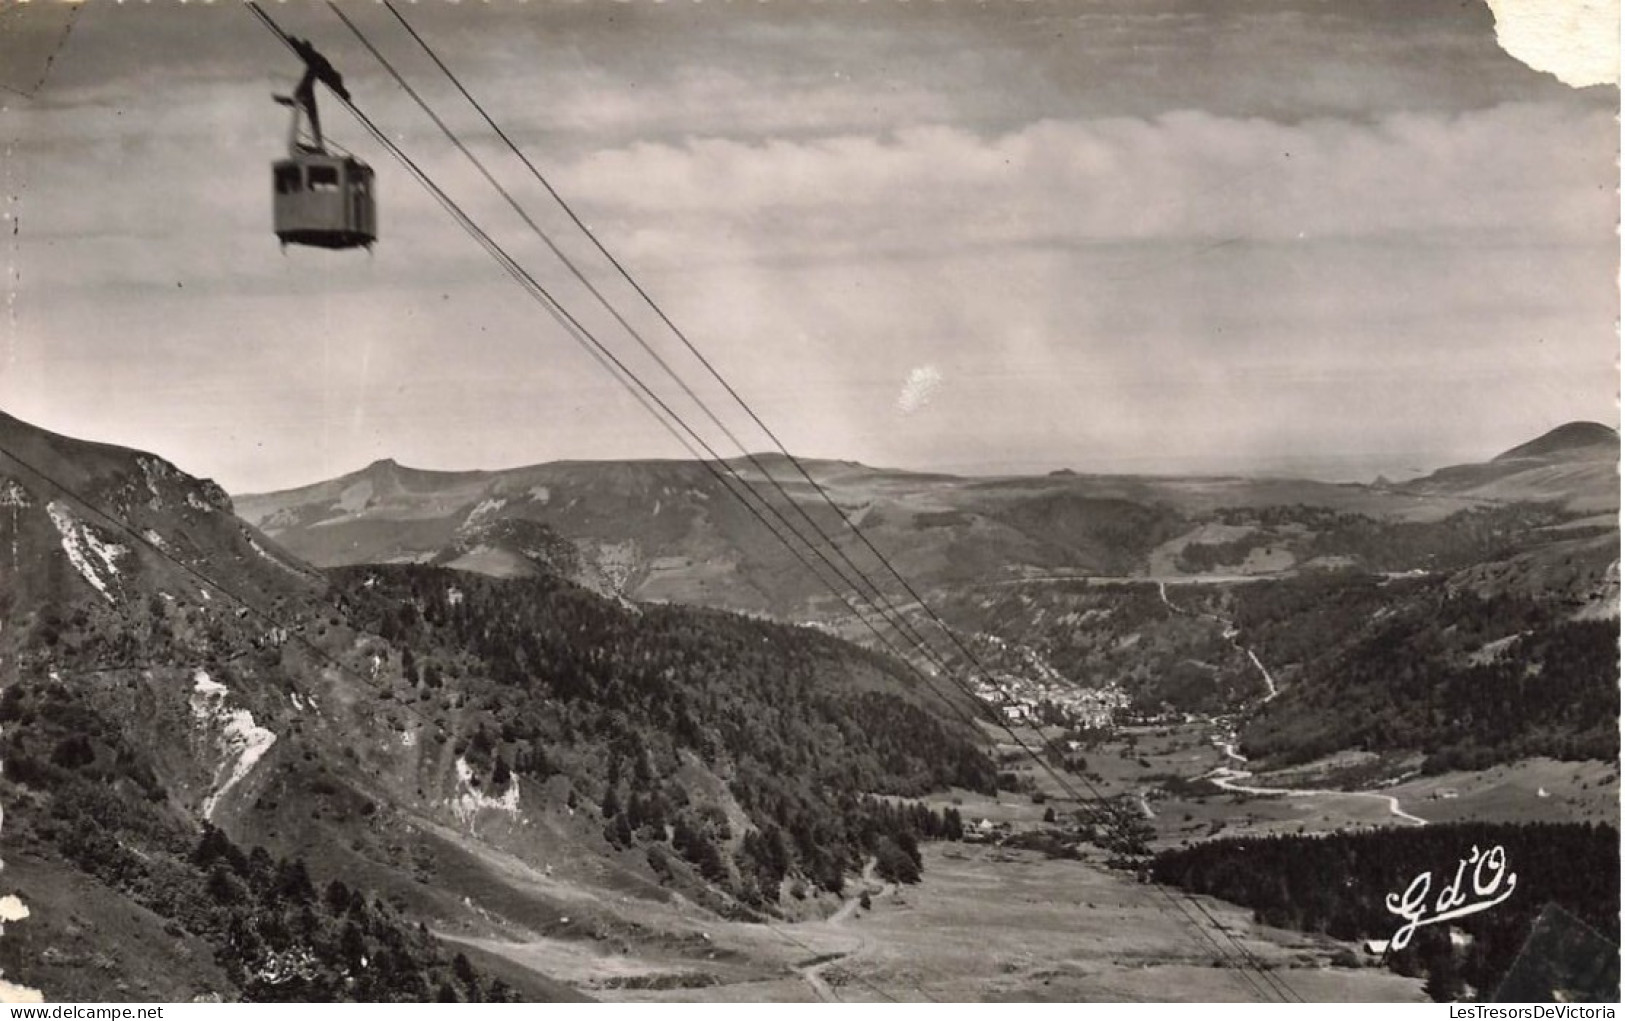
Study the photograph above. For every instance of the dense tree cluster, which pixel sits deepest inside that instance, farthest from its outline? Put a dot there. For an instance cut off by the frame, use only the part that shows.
(1337, 884)
(552, 680)
(1201, 557)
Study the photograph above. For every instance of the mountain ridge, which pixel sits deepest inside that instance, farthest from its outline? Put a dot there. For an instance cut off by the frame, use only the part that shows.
(1576, 464)
(669, 530)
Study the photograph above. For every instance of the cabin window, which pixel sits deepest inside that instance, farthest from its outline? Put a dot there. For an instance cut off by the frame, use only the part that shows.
(287, 180)
(324, 178)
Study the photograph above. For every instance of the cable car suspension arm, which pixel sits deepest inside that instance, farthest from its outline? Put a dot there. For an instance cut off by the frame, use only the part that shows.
(303, 100)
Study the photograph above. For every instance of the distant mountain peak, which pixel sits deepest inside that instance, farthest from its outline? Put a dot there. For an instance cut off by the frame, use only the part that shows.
(1565, 438)
(1576, 464)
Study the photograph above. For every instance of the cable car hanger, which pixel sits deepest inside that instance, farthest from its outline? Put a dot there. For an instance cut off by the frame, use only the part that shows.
(320, 198)
(317, 68)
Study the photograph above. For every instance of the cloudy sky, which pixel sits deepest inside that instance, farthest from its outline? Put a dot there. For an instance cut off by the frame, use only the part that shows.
(1114, 235)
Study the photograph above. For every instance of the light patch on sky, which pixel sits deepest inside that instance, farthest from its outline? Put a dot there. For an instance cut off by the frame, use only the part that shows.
(918, 389)
(1161, 236)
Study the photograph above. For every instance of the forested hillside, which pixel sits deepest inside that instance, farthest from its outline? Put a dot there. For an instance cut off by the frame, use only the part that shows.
(735, 759)
(539, 678)
(76, 790)
(1414, 663)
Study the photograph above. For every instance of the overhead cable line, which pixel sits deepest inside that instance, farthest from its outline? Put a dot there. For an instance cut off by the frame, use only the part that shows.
(677, 332)
(884, 607)
(894, 617)
(623, 374)
(579, 333)
(888, 614)
(878, 599)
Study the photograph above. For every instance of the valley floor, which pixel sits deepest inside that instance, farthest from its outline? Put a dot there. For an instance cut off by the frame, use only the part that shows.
(993, 923)
(984, 924)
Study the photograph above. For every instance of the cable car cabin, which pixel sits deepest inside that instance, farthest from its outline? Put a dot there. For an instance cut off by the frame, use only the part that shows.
(324, 200)
(319, 198)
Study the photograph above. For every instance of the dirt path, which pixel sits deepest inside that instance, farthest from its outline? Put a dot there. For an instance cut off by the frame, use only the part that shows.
(1145, 805)
(813, 973)
(814, 977)
(850, 906)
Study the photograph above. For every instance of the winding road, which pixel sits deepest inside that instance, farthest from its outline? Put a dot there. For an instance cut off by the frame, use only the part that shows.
(1229, 777)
